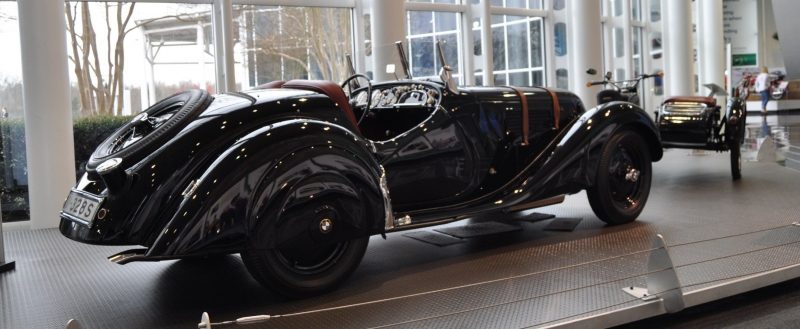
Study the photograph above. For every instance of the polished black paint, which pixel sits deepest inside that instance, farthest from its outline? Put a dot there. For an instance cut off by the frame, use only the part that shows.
(705, 130)
(215, 187)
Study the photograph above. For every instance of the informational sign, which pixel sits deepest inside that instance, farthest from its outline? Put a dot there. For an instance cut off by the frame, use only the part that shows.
(740, 22)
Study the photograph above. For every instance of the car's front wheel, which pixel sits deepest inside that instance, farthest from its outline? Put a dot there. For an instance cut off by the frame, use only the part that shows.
(622, 180)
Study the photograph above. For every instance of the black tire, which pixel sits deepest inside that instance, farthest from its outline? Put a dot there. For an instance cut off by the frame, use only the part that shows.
(736, 160)
(312, 261)
(310, 275)
(155, 126)
(622, 180)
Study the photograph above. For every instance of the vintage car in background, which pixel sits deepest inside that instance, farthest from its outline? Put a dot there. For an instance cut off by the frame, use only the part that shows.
(297, 176)
(698, 122)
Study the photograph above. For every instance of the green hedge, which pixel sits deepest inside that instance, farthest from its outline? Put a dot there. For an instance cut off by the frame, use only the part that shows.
(88, 132)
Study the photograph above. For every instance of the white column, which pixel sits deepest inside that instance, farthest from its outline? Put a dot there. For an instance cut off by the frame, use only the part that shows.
(711, 52)
(222, 21)
(486, 43)
(388, 26)
(585, 48)
(679, 73)
(627, 38)
(48, 117)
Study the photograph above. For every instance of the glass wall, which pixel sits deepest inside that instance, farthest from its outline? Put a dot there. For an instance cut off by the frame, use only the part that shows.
(424, 29)
(123, 57)
(13, 164)
(284, 43)
(517, 51)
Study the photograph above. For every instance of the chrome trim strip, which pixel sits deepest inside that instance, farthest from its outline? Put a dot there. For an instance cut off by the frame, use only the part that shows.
(387, 201)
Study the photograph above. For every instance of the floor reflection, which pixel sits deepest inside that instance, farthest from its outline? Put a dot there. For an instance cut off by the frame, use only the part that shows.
(779, 131)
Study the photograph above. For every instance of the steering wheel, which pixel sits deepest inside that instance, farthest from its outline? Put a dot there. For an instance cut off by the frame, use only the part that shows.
(348, 82)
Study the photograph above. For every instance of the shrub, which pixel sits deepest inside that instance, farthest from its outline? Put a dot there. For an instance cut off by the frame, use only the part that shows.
(88, 132)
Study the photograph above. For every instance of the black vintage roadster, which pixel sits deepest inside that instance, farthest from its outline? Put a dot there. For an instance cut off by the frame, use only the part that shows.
(297, 176)
(698, 122)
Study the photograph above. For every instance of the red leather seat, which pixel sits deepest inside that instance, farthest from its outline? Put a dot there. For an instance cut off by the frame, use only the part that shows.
(272, 84)
(709, 101)
(330, 89)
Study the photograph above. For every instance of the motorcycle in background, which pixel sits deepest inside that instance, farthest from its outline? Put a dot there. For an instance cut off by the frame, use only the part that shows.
(620, 90)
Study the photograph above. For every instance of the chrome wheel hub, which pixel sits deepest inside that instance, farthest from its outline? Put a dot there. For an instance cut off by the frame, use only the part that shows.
(632, 174)
(325, 225)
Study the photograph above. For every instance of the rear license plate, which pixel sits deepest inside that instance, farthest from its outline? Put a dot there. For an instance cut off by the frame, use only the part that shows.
(81, 206)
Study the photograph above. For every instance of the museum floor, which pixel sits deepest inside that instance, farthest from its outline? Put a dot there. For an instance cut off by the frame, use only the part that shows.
(717, 231)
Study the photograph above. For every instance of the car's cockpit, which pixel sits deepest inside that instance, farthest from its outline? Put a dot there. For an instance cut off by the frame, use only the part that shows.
(387, 110)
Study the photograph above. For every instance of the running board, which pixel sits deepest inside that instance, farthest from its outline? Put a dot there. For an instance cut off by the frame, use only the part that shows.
(536, 204)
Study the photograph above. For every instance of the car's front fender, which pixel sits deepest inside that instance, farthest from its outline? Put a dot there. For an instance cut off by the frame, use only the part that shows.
(218, 207)
(573, 160)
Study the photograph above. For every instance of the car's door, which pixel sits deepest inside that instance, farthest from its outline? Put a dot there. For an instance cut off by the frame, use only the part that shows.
(430, 164)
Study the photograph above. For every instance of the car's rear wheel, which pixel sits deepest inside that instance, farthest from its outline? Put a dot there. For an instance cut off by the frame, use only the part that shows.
(303, 272)
(311, 238)
(151, 128)
(622, 181)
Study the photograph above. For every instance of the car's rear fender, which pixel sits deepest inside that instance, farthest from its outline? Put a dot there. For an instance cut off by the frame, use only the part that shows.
(218, 207)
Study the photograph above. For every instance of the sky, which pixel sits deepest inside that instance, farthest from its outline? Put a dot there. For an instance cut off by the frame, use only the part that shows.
(134, 49)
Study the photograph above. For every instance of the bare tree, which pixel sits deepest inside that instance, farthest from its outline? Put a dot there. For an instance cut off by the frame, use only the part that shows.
(101, 94)
(315, 39)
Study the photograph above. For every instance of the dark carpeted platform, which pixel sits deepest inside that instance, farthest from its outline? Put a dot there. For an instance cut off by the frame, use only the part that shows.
(514, 279)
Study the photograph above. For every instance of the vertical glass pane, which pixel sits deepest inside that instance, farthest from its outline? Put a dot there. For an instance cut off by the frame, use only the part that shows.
(13, 162)
(420, 22)
(559, 4)
(537, 43)
(422, 57)
(636, 10)
(619, 74)
(655, 10)
(446, 21)
(167, 48)
(658, 83)
(450, 46)
(562, 79)
(367, 35)
(530, 4)
(517, 46)
(538, 78)
(284, 43)
(500, 79)
(655, 45)
(518, 79)
(441, 26)
(476, 37)
(618, 7)
(560, 39)
(619, 42)
(498, 48)
(124, 57)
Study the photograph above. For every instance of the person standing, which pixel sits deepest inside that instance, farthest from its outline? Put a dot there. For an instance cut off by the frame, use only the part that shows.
(762, 87)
